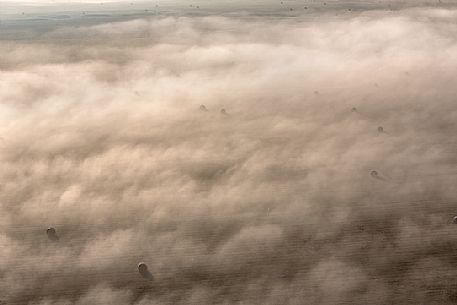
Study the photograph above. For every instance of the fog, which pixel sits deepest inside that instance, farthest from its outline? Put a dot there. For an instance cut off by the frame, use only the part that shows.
(274, 201)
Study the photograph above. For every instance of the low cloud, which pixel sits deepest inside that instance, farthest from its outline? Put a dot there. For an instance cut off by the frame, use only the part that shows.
(273, 202)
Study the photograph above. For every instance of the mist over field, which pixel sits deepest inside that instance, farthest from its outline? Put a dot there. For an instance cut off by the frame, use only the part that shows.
(321, 169)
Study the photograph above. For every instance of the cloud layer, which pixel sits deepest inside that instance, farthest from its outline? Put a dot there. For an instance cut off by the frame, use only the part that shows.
(273, 202)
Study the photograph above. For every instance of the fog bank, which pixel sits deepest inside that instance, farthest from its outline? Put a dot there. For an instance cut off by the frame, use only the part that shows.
(272, 202)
